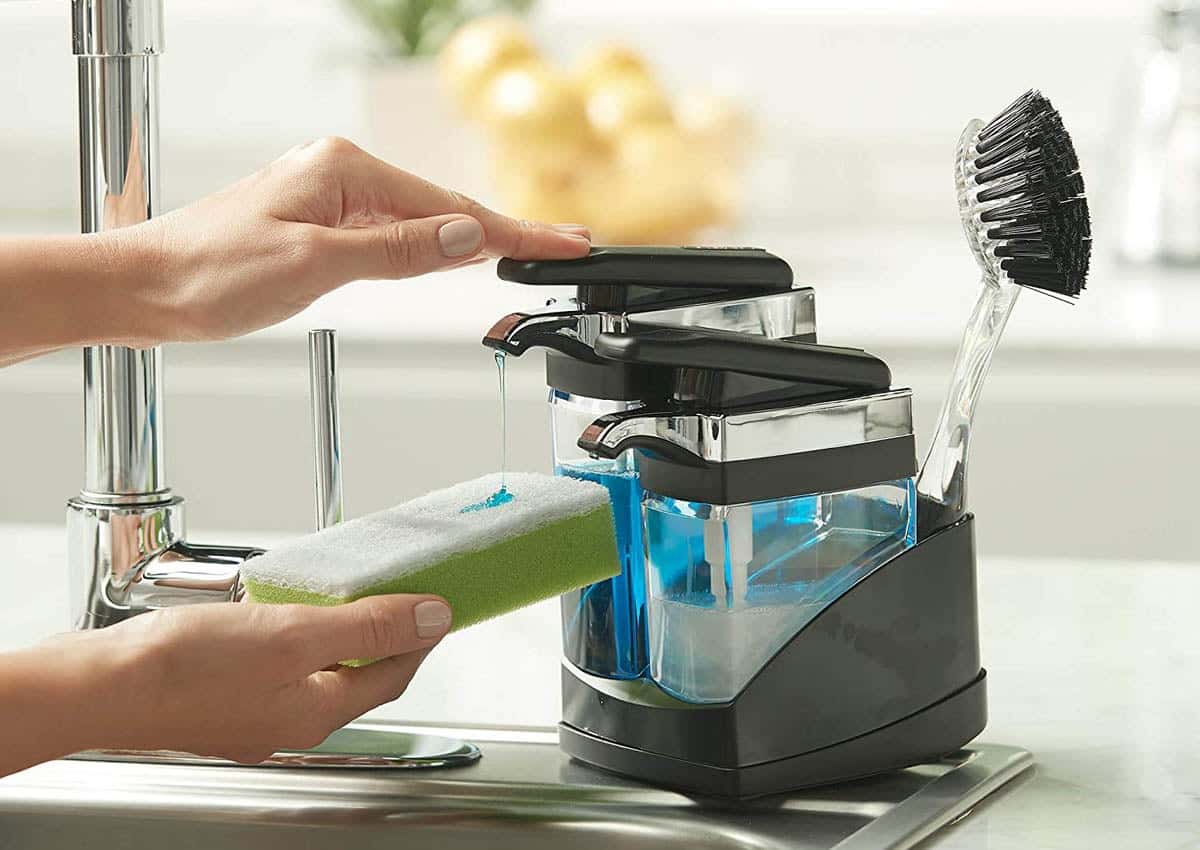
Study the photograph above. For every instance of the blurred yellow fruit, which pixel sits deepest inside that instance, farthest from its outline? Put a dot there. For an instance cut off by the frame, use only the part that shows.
(603, 64)
(665, 189)
(534, 103)
(542, 197)
(605, 145)
(626, 101)
(478, 51)
(647, 146)
(715, 120)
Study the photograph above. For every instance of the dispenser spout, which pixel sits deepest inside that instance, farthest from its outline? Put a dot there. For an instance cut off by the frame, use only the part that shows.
(670, 434)
(570, 331)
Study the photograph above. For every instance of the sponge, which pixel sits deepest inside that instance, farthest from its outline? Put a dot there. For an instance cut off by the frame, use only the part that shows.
(555, 535)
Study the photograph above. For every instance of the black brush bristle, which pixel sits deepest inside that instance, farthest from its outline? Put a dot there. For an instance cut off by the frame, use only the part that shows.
(1033, 194)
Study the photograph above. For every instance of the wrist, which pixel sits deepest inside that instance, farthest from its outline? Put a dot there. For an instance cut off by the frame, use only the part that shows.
(125, 267)
(43, 705)
(87, 289)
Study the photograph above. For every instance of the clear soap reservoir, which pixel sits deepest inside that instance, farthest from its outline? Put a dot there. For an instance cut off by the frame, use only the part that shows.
(729, 585)
(604, 624)
(758, 516)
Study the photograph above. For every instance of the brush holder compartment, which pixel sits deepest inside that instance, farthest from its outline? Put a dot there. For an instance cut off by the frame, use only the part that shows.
(729, 585)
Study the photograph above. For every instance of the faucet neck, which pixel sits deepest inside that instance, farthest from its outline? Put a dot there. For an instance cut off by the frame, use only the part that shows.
(117, 27)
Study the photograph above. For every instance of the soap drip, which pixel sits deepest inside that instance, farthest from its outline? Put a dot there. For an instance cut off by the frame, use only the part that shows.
(500, 358)
(501, 496)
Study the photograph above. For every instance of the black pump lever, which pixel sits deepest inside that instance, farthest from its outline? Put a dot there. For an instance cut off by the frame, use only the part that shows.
(728, 269)
(637, 278)
(726, 351)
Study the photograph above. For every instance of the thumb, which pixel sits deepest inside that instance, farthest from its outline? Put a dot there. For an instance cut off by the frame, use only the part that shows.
(408, 248)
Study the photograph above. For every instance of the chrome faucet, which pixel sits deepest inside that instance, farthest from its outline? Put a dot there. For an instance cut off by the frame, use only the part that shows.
(127, 543)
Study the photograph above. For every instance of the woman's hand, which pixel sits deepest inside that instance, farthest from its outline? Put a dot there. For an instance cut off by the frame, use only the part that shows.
(320, 216)
(236, 681)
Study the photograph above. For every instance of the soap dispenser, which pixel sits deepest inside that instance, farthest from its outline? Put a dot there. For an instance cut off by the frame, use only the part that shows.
(776, 624)
(734, 289)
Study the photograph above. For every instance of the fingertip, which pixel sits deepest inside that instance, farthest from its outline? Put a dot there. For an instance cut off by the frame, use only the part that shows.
(579, 245)
(574, 230)
(461, 237)
(433, 618)
(546, 243)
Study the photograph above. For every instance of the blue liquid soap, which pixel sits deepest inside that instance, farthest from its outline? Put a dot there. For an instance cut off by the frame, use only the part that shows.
(604, 623)
(501, 496)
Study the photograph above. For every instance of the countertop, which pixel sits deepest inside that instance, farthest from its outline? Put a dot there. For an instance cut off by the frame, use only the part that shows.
(1093, 666)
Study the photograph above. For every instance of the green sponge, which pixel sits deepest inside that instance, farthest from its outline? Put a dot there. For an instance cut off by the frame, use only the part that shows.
(555, 535)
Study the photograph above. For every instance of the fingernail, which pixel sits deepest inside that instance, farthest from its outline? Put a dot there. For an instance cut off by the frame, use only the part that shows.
(575, 229)
(460, 237)
(432, 615)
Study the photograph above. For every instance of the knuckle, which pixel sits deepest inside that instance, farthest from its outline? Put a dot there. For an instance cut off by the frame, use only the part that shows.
(293, 634)
(465, 203)
(381, 632)
(398, 245)
(335, 147)
(317, 163)
(524, 227)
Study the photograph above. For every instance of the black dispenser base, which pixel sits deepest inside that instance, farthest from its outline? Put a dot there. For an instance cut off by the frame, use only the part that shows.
(886, 677)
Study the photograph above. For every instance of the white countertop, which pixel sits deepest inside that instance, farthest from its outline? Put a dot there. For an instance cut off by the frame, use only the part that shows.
(1095, 667)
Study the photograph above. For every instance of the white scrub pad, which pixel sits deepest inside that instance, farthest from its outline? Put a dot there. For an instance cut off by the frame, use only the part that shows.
(554, 536)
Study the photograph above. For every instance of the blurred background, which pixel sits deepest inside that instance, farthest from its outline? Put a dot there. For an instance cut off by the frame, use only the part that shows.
(822, 131)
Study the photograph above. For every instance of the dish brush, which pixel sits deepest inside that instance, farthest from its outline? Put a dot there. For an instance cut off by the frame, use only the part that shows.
(1021, 200)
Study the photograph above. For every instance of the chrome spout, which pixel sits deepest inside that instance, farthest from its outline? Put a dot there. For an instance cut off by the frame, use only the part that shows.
(572, 332)
(666, 433)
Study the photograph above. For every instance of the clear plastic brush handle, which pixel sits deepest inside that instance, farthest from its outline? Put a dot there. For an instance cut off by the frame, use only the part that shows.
(942, 480)
(943, 476)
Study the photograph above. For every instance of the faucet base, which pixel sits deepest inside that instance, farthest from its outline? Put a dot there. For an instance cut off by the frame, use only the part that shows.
(106, 543)
(128, 559)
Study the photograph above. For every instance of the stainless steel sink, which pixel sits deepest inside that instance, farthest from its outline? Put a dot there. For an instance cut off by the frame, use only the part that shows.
(523, 793)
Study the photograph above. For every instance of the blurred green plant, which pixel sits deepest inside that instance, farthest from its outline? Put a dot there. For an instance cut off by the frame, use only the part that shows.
(409, 28)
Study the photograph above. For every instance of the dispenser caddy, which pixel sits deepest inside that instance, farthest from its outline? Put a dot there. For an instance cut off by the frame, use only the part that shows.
(777, 623)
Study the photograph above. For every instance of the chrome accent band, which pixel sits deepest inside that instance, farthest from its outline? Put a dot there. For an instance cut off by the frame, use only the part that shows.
(722, 438)
(777, 316)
